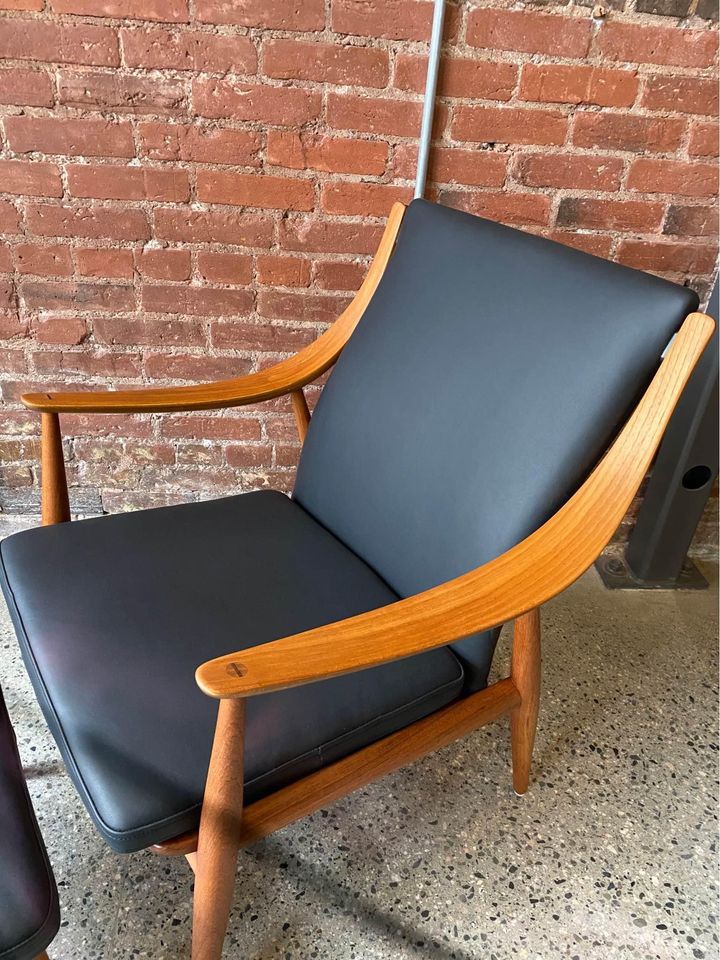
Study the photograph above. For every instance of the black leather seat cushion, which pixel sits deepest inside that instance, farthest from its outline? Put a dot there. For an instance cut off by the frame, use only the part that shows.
(114, 615)
(487, 376)
(29, 914)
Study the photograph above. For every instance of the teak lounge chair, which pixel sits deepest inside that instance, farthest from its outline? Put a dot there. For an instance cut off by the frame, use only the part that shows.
(470, 456)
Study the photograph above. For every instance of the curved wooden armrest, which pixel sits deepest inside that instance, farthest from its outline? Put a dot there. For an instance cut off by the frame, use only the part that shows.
(524, 577)
(284, 377)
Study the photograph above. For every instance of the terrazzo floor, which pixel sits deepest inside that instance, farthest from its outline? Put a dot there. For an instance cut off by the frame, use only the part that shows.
(611, 854)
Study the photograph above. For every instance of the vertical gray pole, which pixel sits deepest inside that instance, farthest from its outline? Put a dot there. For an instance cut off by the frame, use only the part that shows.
(429, 102)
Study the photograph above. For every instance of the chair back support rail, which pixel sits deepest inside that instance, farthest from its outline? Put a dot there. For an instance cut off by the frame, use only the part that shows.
(511, 587)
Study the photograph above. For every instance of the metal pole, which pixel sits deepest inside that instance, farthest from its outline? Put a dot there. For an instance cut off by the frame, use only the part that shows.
(429, 102)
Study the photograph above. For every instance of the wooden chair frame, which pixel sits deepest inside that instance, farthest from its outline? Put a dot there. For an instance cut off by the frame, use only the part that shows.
(512, 587)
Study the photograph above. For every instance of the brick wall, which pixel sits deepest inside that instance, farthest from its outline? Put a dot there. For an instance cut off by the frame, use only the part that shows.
(191, 189)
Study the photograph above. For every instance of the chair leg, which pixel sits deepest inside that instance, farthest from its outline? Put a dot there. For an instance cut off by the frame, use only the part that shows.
(219, 837)
(42, 956)
(525, 673)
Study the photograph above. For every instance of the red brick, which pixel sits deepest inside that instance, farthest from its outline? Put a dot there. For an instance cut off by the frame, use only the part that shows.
(685, 221)
(673, 176)
(63, 295)
(591, 214)
(271, 14)
(278, 271)
(195, 301)
(158, 48)
(239, 189)
(50, 220)
(6, 264)
(325, 63)
(626, 131)
(362, 199)
(109, 263)
(172, 366)
(267, 338)
(642, 43)
(198, 427)
(26, 88)
(247, 458)
(225, 267)
(392, 19)
(287, 148)
(681, 94)
(11, 325)
(69, 137)
(522, 208)
(164, 264)
(509, 125)
(199, 144)
(400, 118)
(596, 244)
(152, 331)
(66, 330)
(33, 179)
(529, 32)
(553, 83)
(52, 260)
(480, 168)
(175, 11)
(35, 5)
(339, 276)
(112, 424)
(112, 182)
(96, 364)
(58, 42)
(703, 140)
(477, 79)
(7, 294)
(9, 218)
(319, 236)
(213, 226)
(286, 106)
(122, 93)
(683, 258)
(297, 307)
(579, 171)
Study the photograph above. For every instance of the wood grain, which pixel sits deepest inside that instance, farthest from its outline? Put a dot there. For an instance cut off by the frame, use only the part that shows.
(525, 673)
(524, 577)
(55, 503)
(219, 836)
(302, 414)
(283, 377)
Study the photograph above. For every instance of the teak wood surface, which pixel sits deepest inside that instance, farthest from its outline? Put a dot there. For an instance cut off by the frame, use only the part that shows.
(511, 587)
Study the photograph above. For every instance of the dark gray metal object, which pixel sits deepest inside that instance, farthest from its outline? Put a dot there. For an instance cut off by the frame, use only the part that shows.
(678, 490)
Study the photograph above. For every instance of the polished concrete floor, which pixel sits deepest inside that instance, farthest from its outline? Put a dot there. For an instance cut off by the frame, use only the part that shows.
(612, 853)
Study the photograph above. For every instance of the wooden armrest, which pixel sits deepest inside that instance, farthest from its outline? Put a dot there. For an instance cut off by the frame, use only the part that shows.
(524, 577)
(285, 377)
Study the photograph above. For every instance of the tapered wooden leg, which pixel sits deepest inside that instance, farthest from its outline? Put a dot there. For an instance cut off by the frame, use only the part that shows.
(42, 956)
(219, 839)
(301, 411)
(525, 673)
(55, 502)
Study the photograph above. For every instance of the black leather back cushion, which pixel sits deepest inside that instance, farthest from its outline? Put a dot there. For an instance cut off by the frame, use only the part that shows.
(489, 373)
